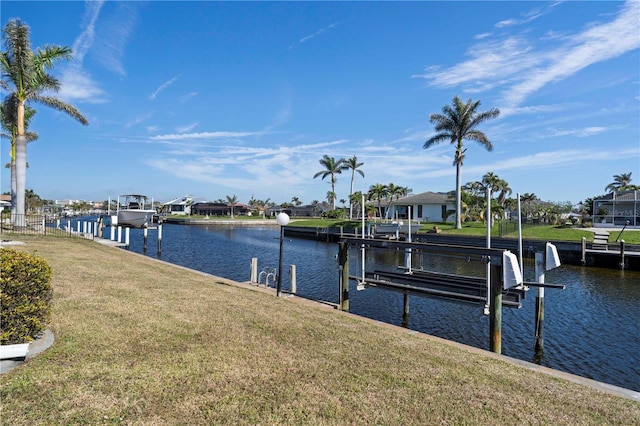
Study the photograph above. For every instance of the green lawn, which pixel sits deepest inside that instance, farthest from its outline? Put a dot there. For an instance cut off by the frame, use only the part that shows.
(541, 232)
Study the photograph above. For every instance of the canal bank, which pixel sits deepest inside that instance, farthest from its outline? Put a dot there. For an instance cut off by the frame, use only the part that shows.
(155, 341)
(616, 255)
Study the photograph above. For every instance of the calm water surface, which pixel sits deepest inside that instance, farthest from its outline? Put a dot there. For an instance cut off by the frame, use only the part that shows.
(591, 327)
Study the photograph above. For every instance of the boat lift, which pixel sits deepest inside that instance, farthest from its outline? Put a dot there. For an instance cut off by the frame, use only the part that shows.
(503, 286)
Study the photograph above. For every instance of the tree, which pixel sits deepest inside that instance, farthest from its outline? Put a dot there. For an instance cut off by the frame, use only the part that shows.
(621, 182)
(296, 201)
(456, 124)
(353, 165)
(355, 200)
(8, 119)
(25, 78)
(378, 192)
(232, 200)
(331, 168)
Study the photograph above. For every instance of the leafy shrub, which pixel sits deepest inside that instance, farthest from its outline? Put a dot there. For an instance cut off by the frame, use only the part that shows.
(333, 214)
(25, 296)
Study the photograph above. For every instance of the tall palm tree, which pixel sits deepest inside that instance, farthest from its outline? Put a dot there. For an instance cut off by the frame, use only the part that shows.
(457, 123)
(394, 192)
(378, 192)
(25, 78)
(232, 201)
(353, 165)
(620, 182)
(331, 168)
(8, 119)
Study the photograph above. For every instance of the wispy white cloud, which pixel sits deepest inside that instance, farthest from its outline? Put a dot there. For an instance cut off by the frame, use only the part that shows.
(112, 35)
(521, 68)
(188, 96)
(105, 39)
(313, 35)
(203, 135)
(187, 128)
(138, 119)
(162, 87)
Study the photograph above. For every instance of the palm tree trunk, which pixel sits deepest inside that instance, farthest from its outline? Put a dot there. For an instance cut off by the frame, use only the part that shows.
(353, 173)
(458, 196)
(14, 189)
(21, 177)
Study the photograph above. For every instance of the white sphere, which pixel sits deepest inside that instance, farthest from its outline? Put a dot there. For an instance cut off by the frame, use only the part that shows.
(282, 219)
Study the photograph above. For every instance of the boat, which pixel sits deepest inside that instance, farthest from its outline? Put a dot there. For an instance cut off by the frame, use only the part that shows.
(396, 228)
(136, 211)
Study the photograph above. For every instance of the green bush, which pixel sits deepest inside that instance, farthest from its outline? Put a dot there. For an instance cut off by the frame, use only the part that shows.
(25, 296)
(333, 214)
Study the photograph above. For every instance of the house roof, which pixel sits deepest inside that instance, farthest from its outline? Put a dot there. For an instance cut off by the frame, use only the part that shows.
(621, 196)
(424, 198)
(179, 201)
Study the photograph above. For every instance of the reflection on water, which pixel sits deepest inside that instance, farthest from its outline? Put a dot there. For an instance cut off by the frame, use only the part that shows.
(591, 327)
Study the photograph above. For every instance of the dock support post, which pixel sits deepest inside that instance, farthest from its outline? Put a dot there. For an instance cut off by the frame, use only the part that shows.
(119, 233)
(113, 233)
(145, 235)
(159, 238)
(622, 266)
(540, 272)
(254, 270)
(292, 278)
(405, 311)
(343, 266)
(495, 307)
(583, 257)
(126, 237)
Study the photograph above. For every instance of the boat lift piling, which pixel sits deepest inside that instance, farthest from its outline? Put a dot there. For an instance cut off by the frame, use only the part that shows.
(506, 285)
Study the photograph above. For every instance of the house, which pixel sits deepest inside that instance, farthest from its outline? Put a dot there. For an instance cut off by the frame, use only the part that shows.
(309, 210)
(425, 207)
(5, 202)
(218, 209)
(178, 206)
(617, 209)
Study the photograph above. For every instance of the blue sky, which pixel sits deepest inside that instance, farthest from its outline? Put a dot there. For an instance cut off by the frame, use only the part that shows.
(212, 99)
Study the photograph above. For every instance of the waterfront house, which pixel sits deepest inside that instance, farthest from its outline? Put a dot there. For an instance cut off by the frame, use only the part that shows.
(218, 209)
(178, 206)
(309, 210)
(617, 209)
(425, 207)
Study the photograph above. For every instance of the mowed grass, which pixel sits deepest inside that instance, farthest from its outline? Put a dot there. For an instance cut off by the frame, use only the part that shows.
(142, 342)
(479, 229)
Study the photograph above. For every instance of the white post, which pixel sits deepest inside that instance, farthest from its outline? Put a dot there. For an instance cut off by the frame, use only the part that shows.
(113, 233)
(119, 234)
(362, 218)
(160, 237)
(488, 220)
(407, 253)
(126, 236)
(254, 270)
(78, 226)
(520, 236)
(292, 278)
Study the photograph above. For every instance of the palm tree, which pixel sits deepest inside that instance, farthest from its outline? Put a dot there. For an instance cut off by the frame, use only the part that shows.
(620, 183)
(232, 201)
(331, 168)
(331, 198)
(353, 165)
(457, 123)
(378, 192)
(394, 192)
(296, 201)
(8, 119)
(355, 200)
(25, 78)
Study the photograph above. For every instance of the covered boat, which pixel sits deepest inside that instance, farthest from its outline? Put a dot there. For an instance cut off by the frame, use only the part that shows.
(135, 211)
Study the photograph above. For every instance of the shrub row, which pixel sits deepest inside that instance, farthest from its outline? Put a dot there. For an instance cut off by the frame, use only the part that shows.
(25, 296)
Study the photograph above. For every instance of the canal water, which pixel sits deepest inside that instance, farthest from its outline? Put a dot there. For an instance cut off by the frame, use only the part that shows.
(591, 328)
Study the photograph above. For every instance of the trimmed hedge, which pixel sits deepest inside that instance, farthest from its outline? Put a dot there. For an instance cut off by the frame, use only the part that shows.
(25, 296)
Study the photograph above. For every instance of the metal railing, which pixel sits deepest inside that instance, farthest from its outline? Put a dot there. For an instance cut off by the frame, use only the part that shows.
(39, 224)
